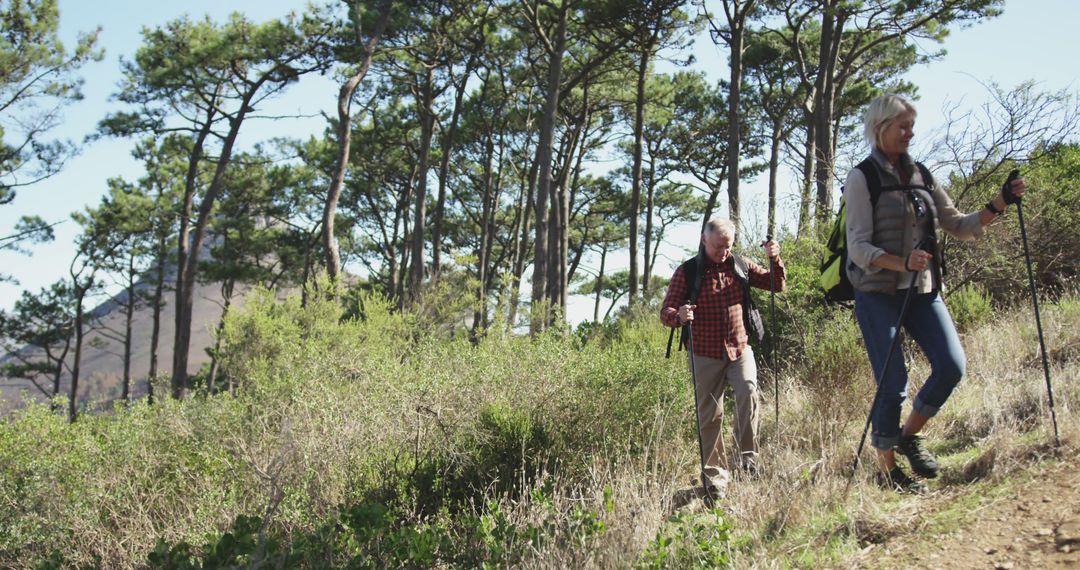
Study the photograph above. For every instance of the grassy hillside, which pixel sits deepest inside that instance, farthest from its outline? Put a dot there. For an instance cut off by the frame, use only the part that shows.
(383, 441)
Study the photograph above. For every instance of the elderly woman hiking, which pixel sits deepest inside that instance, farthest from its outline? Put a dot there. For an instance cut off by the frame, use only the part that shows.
(893, 212)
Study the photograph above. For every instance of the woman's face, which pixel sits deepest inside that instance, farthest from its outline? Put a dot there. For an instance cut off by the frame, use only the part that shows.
(895, 135)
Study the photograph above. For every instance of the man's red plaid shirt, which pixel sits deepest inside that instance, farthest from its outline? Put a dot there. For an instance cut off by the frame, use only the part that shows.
(719, 329)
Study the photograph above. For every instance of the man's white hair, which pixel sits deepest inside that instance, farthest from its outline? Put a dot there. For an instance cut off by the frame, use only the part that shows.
(881, 112)
(725, 226)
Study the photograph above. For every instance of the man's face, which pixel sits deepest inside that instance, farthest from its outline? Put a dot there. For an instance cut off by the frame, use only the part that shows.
(717, 246)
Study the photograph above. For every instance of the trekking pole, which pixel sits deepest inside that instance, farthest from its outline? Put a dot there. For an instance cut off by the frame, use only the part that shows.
(688, 327)
(1006, 193)
(881, 377)
(772, 333)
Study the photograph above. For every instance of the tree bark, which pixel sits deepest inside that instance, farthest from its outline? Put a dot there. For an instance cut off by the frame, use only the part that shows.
(155, 328)
(541, 310)
(183, 252)
(427, 132)
(444, 174)
(227, 294)
(832, 27)
(774, 167)
(805, 202)
(737, 24)
(344, 134)
(635, 185)
(185, 301)
(599, 284)
(650, 199)
(521, 232)
(129, 314)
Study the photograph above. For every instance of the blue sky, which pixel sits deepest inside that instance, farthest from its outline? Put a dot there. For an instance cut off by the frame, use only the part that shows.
(1032, 40)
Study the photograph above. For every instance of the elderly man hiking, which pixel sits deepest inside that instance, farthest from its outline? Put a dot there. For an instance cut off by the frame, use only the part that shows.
(709, 296)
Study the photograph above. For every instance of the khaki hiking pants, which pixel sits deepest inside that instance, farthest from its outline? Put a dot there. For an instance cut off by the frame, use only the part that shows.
(713, 378)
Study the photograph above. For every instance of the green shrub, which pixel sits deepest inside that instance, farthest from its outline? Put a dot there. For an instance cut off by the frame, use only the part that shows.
(969, 306)
(837, 375)
(511, 446)
(690, 541)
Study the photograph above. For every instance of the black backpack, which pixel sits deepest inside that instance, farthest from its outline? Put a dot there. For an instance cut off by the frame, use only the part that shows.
(834, 279)
(755, 328)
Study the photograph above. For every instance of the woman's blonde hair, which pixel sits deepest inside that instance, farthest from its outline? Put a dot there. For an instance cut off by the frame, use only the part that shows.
(881, 112)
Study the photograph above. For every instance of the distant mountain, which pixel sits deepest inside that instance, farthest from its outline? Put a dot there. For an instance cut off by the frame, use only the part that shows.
(102, 366)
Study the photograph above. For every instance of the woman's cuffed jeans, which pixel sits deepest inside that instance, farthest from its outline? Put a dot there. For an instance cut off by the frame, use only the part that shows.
(929, 324)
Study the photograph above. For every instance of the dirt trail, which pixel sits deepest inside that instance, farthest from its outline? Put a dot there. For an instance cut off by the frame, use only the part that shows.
(1034, 524)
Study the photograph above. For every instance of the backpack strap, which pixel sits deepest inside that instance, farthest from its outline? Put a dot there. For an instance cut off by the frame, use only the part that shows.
(751, 318)
(939, 254)
(927, 178)
(873, 179)
(937, 270)
(692, 275)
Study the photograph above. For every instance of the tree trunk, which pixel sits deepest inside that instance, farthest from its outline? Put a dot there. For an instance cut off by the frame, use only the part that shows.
(526, 202)
(480, 314)
(184, 279)
(635, 182)
(403, 265)
(572, 264)
(73, 395)
(337, 179)
(344, 135)
(774, 166)
(736, 24)
(182, 343)
(599, 284)
(227, 295)
(710, 205)
(558, 280)
(488, 282)
(650, 198)
(832, 26)
(805, 225)
(129, 315)
(155, 330)
(541, 310)
(444, 174)
(427, 131)
(59, 372)
(395, 269)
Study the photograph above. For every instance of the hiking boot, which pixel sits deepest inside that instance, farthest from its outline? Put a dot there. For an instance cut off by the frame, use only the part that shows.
(711, 496)
(922, 462)
(714, 492)
(751, 470)
(899, 481)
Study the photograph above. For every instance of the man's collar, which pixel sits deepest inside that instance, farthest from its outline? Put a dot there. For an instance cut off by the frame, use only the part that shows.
(729, 261)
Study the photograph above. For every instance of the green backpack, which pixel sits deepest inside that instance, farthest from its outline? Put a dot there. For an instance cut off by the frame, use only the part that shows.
(834, 278)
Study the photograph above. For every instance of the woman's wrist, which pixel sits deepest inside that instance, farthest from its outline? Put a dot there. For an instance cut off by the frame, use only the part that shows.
(994, 209)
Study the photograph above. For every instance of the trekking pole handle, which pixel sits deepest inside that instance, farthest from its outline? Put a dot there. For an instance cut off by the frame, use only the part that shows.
(1006, 188)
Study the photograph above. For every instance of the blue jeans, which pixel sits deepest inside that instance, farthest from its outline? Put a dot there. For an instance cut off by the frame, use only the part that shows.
(929, 323)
